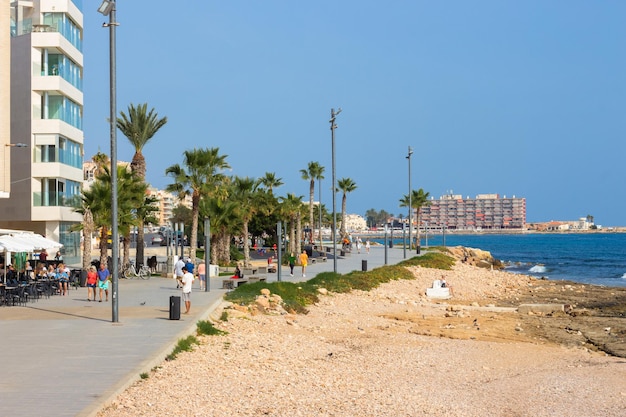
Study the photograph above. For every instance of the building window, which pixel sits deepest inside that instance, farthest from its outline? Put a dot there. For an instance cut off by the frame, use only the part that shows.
(56, 192)
(62, 108)
(66, 27)
(67, 152)
(60, 65)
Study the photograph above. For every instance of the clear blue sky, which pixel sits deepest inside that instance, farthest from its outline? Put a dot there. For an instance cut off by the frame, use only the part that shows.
(524, 98)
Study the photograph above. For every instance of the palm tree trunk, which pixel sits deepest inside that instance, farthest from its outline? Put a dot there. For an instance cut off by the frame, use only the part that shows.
(246, 245)
(298, 233)
(87, 232)
(139, 255)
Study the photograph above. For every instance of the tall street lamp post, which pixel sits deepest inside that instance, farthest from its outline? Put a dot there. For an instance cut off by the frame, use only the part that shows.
(107, 8)
(207, 258)
(333, 126)
(410, 202)
(319, 210)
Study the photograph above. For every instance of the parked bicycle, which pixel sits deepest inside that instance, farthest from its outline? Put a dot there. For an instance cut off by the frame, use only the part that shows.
(130, 272)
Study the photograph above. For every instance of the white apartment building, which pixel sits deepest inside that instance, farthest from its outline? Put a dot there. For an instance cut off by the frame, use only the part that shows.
(46, 102)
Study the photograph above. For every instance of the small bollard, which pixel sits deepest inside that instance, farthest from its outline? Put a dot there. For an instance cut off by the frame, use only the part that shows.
(364, 265)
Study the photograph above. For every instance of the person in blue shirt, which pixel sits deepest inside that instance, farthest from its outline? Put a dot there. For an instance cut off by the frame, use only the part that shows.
(103, 280)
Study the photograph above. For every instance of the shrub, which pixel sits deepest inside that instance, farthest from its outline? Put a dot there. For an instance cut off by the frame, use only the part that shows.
(206, 328)
(183, 345)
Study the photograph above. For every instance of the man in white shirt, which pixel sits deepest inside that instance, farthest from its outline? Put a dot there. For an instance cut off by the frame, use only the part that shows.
(178, 271)
(187, 282)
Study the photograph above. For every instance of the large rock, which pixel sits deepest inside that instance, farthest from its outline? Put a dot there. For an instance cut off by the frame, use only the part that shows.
(476, 257)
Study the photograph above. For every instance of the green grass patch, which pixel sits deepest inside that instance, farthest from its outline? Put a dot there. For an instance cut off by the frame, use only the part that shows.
(435, 260)
(206, 328)
(183, 345)
(297, 296)
(144, 375)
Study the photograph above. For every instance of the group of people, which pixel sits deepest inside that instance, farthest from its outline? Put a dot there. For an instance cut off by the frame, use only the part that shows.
(98, 279)
(184, 274)
(302, 259)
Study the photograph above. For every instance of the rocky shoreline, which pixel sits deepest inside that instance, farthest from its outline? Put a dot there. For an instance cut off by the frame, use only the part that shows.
(392, 351)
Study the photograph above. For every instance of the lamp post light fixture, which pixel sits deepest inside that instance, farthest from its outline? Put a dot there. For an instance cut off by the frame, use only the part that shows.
(107, 8)
(410, 202)
(207, 252)
(333, 126)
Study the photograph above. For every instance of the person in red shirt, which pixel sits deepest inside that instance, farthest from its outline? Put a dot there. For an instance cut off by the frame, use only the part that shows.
(92, 283)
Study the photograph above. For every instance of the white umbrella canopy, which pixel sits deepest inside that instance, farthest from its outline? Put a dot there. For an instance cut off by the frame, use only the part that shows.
(10, 244)
(37, 241)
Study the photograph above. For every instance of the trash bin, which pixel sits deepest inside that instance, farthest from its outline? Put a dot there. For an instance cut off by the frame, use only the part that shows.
(83, 277)
(174, 307)
(418, 249)
(391, 243)
(364, 265)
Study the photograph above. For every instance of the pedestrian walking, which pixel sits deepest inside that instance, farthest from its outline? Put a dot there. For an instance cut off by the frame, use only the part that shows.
(103, 280)
(92, 282)
(178, 271)
(304, 260)
(202, 275)
(291, 259)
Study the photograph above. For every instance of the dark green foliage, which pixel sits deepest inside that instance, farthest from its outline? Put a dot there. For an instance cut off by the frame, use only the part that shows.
(144, 375)
(435, 260)
(331, 281)
(296, 296)
(207, 328)
(183, 345)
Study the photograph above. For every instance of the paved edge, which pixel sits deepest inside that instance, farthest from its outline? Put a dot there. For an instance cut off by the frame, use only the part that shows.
(146, 365)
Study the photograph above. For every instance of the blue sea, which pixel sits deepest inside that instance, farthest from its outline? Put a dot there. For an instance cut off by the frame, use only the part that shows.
(593, 258)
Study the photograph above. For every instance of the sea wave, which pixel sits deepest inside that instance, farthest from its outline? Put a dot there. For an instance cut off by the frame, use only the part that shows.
(538, 269)
(624, 276)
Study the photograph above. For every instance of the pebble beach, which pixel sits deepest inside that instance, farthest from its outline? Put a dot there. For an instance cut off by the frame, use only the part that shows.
(387, 352)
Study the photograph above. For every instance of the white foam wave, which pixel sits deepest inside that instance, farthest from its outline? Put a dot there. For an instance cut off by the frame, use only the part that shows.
(624, 276)
(538, 269)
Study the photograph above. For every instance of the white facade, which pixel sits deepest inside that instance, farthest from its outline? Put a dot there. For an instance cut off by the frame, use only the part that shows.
(46, 114)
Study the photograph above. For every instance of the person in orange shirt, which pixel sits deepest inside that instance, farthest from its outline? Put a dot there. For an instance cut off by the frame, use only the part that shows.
(304, 260)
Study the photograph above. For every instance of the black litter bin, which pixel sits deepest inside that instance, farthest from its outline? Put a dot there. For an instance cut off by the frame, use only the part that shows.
(418, 249)
(364, 265)
(174, 307)
(391, 243)
(83, 277)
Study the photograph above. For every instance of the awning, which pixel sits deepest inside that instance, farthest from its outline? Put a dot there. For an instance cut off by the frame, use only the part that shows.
(8, 244)
(26, 242)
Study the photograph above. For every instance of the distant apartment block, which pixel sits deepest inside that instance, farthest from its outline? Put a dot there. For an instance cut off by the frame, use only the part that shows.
(485, 212)
(46, 113)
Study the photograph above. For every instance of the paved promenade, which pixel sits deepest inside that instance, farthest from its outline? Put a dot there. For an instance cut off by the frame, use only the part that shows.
(63, 356)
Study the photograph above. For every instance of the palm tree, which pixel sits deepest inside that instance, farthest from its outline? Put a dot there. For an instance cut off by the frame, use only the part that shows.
(345, 185)
(269, 182)
(290, 207)
(225, 219)
(199, 177)
(314, 171)
(139, 126)
(246, 196)
(419, 199)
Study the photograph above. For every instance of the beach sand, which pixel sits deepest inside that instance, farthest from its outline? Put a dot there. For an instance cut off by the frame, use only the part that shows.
(393, 352)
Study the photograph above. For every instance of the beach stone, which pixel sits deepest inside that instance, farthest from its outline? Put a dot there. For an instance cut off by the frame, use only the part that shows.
(540, 308)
